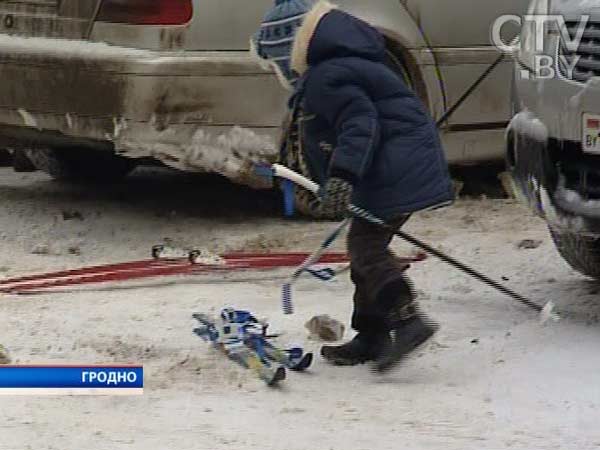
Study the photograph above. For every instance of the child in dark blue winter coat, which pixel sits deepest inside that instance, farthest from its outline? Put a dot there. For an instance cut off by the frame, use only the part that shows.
(364, 129)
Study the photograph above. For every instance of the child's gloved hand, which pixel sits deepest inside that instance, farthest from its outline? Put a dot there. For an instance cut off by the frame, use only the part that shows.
(336, 196)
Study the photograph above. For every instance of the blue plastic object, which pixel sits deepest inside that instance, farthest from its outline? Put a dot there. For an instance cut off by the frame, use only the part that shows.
(289, 198)
(264, 170)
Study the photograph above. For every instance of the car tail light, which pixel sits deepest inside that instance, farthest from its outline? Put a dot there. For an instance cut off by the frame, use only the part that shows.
(146, 12)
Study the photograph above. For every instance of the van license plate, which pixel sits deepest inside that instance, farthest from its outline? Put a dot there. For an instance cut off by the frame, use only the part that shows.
(591, 133)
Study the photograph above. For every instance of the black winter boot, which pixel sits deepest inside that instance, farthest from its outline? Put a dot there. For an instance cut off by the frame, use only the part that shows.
(410, 333)
(364, 347)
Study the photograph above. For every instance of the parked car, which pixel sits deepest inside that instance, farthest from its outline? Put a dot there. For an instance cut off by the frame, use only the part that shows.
(91, 87)
(553, 141)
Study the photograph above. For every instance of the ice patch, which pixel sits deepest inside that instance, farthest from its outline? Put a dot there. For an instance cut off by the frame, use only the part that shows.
(119, 125)
(232, 153)
(28, 119)
(576, 208)
(573, 202)
(576, 100)
(553, 216)
(524, 123)
(547, 206)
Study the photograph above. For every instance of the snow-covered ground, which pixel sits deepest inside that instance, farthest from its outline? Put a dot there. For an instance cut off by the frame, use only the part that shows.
(492, 379)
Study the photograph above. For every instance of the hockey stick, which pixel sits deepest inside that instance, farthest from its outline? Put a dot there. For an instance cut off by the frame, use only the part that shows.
(288, 306)
(546, 312)
(279, 171)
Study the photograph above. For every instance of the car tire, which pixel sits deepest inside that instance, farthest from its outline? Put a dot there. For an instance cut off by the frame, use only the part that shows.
(580, 251)
(84, 165)
(306, 203)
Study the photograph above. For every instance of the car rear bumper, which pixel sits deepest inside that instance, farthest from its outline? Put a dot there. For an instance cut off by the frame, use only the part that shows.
(141, 101)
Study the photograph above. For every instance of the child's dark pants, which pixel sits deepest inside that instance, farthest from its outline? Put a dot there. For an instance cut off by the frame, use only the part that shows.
(381, 288)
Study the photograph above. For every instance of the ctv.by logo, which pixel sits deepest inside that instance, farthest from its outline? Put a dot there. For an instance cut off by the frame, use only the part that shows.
(529, 47)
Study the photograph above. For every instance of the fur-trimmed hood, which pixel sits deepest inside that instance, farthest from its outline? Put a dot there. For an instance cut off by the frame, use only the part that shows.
(305, 34)
(327, 32)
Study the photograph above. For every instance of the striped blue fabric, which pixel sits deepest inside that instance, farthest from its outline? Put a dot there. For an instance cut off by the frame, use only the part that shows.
(275, 38)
